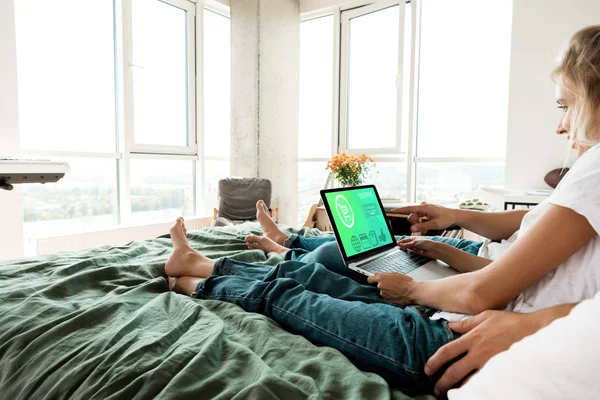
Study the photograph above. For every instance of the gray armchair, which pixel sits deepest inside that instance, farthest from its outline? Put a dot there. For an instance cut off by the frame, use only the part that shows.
(237, 200)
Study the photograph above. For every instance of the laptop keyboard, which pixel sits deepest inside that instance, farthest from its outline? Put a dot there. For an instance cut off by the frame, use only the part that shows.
(401, 261)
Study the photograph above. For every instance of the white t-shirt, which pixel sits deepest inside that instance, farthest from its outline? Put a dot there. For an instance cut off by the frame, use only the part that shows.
(492, 250)
(578, 278)
(557, 362)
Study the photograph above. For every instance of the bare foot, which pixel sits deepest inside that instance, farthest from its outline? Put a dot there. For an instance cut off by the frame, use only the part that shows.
(184, 260)
(265, 244)
(269, 226)
(184, 284)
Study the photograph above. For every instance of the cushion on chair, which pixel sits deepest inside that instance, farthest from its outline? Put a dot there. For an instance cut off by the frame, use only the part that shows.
(238, 197)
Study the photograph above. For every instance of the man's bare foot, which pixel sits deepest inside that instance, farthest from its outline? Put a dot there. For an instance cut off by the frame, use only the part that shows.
(269, 226)
(184, 284)
(265, 244)
(184, 260)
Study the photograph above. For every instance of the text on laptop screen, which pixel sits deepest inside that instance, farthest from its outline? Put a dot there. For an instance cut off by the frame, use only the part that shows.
(359, 219)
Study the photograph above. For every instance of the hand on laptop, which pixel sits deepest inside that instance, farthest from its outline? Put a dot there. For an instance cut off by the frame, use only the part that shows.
(427, 216)
(394, 287)
(422, 246)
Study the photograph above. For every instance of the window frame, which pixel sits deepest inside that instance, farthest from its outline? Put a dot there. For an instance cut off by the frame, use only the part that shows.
(335, 12)
(345, 18)
(125, 148)
(128, 66)
(339, 134)
(201, 176)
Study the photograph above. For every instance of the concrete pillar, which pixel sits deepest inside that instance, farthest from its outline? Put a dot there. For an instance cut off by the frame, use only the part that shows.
(11, 207)
(265, 60)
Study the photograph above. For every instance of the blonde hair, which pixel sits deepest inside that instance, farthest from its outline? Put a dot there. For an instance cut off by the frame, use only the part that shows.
(579, 72)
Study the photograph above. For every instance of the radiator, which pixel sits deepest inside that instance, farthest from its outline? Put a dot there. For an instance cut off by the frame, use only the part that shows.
(112, 237)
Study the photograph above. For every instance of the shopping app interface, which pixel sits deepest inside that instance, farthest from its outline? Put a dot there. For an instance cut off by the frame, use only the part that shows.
(359, 220)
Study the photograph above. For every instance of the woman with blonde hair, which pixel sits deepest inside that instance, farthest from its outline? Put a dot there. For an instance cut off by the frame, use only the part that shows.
(540, 278)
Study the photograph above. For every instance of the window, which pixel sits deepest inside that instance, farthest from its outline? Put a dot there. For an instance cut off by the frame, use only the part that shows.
(316, 110)
(450, 182)
(372, 72)
(411, 95)
(462, 45)
(375, 65)
(84, 200)
(117, 101)
(217, 75)
(61, 107)
(160, 77)
(161, 189)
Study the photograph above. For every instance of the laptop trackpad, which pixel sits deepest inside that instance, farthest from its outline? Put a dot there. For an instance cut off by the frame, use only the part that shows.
(431, 271)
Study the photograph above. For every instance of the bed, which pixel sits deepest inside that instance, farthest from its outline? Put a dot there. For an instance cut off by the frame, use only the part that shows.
(101, 324)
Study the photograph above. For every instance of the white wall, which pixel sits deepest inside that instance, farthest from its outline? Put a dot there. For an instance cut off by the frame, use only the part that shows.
(541, 29)
(265, 77)
(11, 211)
(279, 95)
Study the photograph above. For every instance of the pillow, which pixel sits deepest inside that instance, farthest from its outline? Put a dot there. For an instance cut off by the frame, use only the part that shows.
(557, 362)
(238, 197)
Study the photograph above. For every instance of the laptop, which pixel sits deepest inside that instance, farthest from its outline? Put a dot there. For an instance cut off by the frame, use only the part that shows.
(366, 240)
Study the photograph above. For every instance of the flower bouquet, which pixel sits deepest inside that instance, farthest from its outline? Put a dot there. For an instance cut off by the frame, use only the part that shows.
(350, 170)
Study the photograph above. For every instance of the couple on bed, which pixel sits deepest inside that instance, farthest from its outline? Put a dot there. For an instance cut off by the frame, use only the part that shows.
(388, 323)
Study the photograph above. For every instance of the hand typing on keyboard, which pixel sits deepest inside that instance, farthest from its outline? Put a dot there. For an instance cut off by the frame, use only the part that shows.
(394, 287)
(421, 246)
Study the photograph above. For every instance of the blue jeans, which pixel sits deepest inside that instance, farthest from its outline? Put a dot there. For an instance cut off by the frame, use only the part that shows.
(330, 309)
(324, 250)
(333, 306)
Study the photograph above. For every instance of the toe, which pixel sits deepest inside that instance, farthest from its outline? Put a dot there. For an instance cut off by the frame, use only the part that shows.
(264, 206)
(252, 239)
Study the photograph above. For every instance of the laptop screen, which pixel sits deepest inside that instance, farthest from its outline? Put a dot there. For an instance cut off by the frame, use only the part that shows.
(359, 219)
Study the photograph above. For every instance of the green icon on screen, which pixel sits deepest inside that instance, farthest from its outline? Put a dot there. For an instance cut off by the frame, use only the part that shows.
(355, 243)
(344, 211)
(373, 238)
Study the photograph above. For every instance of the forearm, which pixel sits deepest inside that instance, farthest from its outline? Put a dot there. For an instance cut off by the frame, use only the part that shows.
(461, 260)
(542, 318)
(453, 294)
(492, 225)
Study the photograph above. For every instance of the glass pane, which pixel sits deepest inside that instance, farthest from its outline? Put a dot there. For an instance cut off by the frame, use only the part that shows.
(217, 74)
(464, 76)
(311, 179)
(65, 68)
(373, 67)
(451, 183)
(161, 190)
(406, 98)
(316, 88)
(160, 83)
(390, 179)
(213, 171)
(84, 200)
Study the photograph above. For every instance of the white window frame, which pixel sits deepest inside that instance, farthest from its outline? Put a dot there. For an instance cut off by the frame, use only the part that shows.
(224, 11)
(339, 127)
(414, 159)
(346, 17)
(125, 147)
(127, 70)
(335, 12)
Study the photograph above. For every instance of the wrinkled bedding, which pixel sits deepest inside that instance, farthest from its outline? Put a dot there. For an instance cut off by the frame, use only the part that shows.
(101, 324)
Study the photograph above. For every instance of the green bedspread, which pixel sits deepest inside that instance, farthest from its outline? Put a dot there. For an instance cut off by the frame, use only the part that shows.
(101, 324)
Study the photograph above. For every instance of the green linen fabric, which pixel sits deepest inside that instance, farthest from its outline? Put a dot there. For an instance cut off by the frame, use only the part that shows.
(101, 324)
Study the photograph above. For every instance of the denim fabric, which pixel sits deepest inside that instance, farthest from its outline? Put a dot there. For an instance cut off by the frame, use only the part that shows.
(333, 310)
(324, 250)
